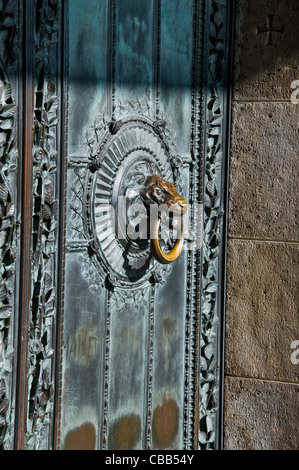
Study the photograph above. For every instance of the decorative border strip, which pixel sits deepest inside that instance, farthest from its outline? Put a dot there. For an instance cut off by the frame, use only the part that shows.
(9, 194)
(62, 248)
(213, 249)
(157, 72)
(106, 375)
(194, 257)
(112, 57)
(45, 155)
(150, 367)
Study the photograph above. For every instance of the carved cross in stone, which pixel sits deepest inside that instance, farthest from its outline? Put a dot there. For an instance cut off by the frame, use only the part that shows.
(269, 29)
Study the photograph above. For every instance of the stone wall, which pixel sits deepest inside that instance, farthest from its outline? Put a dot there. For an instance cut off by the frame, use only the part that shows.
(261, 409)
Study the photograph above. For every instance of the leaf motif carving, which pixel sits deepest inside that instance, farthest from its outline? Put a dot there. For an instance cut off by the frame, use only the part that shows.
(7, 111)
(3, 291)
(46, 211)
(4, 405)
(5, 312)
(3, 192)
(8, 163)
(6, 124)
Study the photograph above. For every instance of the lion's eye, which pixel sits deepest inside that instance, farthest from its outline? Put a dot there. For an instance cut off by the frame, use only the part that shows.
(159, 192)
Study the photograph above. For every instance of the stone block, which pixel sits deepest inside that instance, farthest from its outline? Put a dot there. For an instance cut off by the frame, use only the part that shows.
(260, 415)
(264, 171)
(266, 63)
(262, 309)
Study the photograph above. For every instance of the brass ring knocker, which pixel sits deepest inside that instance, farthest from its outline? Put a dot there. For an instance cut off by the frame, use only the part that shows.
(174, 253)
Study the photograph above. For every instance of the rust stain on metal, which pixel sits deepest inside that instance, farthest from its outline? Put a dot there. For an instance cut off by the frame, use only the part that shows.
(82, 438)
(124, 433)
(82, 347)
(165, 423)
(168, 326)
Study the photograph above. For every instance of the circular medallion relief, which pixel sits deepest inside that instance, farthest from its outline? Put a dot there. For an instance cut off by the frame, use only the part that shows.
(116, 214)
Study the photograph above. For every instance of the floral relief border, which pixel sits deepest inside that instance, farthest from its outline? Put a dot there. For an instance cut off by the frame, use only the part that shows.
(213, 243)
(9, 223)
(43, 314)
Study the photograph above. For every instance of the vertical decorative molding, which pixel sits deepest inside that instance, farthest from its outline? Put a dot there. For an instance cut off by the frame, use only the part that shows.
(64, 101)
(26, 138)
(215, 164)
(194, 256)
(111, 58)
(43, 305)
(10, 26)
(156, 58)
(106, 374)
(150, 360)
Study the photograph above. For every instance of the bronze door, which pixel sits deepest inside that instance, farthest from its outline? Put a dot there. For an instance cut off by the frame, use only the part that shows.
(111, 309)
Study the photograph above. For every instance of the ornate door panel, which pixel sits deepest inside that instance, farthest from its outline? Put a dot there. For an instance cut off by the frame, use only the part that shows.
(114, 145)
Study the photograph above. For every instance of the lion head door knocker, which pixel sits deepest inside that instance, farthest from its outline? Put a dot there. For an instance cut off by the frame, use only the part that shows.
(134, 213)
(169, 204)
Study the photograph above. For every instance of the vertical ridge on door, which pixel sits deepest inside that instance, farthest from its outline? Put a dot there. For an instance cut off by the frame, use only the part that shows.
(26, 226)
(64, 98)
